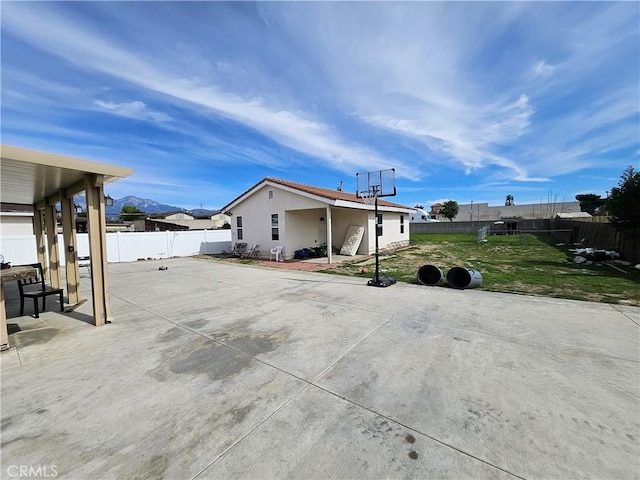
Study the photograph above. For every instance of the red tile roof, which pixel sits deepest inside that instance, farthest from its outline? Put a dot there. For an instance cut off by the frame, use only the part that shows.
(318, 191)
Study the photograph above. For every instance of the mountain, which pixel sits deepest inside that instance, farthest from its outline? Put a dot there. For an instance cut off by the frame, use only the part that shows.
(143, 204)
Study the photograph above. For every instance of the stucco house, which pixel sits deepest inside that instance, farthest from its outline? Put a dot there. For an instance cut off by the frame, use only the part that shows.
(277, 212)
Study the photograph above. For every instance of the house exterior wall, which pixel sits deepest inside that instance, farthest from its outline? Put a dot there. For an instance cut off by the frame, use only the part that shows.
(305, 229)
(300, 225)
(14, 223)
(341, 219)
(391, 231)
(344, 217)
(256, 211)
(179, 216)
(219, 220)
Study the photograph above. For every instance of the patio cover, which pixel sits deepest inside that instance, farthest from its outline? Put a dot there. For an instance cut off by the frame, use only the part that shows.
(39, 179)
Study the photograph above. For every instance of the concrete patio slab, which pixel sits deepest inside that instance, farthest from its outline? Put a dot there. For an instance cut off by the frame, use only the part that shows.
(322, 436)
(217, 370)
(507, 402)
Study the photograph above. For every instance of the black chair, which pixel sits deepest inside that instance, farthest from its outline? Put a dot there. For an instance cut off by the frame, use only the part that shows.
(37, 288)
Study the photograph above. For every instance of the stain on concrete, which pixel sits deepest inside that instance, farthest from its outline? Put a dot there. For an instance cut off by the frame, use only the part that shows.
(172, 334)
(301, 296)
(204, 356)
(35, 337)
(239, 414)
(6, 443)
(24, 445)
(410, 438)
(215, 360)
(413, 455)
(458, 339)
(155, 467)
(6, 423)
(196, 324)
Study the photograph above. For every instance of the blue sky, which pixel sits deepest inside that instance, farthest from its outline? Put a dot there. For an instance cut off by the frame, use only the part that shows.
(467, 101)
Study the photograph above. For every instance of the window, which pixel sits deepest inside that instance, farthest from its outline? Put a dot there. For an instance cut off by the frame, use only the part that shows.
(275, 230)
(270, 194)
(401, 223)
(239, 227)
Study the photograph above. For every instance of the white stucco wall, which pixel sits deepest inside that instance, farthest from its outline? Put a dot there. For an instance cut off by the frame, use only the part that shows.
(256, 211)
(305, 229)
(179, 216)
(344, 217)
(300, 222)
(390, 231)
(16, 223)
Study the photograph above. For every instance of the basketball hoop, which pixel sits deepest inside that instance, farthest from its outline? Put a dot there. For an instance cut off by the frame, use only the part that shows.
(368, 198)
(370, 186)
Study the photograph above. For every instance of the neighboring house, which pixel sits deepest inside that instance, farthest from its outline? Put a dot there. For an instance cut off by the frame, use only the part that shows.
(157, 225)
(16, 219)
(277, 212)
(220, 220)
(181, 221)
(175, 216)
(435, 210)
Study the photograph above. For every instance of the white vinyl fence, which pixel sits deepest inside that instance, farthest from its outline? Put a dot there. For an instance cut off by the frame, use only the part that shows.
(126, 246)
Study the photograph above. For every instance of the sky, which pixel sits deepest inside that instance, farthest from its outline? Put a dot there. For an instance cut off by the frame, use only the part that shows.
(467, 101)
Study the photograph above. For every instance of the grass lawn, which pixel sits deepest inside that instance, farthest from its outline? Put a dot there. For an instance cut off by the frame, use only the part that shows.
(524, 264)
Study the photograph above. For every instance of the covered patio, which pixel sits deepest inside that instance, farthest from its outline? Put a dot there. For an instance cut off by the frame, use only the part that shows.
(43, 181)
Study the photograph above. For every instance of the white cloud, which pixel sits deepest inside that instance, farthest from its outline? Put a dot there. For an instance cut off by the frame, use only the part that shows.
(137, 110)
(543, 69)
(502, 91)
(469, 136)
(296, 130)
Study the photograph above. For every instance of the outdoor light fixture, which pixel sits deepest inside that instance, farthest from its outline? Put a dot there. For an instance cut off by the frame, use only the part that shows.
(108, 201)
(78, 209)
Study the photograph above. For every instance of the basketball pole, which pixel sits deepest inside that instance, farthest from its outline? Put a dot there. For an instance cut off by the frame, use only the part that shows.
(376, 281)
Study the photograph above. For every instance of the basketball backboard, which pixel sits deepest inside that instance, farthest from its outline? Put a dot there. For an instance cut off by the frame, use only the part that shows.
(379, 183)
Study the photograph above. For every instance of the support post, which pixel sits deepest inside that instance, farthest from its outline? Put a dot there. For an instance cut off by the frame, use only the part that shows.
(38, 230)
(329, 236)
(96, 224)
(52, 268)
(70, 249)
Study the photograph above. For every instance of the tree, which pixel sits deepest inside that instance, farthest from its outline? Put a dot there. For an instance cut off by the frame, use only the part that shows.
(591, 203)
(130, 213)
(624, 203)
(449, 209)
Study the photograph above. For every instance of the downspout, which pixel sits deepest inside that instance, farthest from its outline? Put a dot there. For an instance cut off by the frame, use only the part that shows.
(329, 238)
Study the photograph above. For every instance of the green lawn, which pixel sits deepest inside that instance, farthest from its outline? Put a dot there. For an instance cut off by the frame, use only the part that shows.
(523, 264)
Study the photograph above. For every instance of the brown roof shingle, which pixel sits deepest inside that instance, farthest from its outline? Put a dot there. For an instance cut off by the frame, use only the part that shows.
(318, 191)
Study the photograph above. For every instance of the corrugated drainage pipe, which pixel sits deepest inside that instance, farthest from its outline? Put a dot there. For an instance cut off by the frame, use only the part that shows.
(430, 275)
(460, 277)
